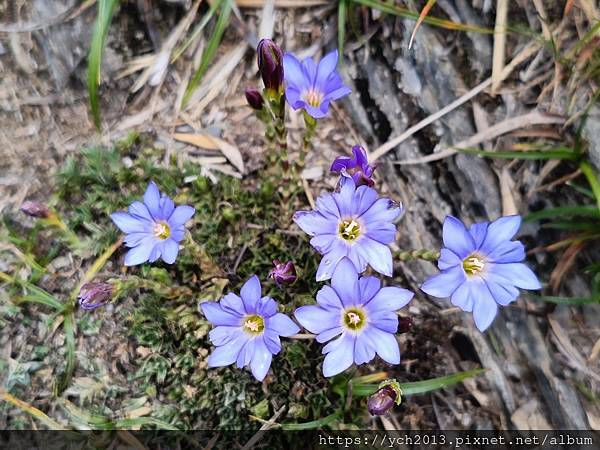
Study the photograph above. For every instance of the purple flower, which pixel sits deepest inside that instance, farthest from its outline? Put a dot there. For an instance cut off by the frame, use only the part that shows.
(353, 223)
(154, 228)
(254, 98)
(248, 329)
(384, 399)
(312, 87)
(94, 295)
(35, 209)
(269, 59)
(480, 267)
(361, 312)
(357, 167)
(283, 273)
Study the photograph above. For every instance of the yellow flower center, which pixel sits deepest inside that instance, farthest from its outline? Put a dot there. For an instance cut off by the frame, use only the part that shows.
(349, 229)
(473, 265)
(162, 230)
(254, 324)
(313, 98)
(354, 318)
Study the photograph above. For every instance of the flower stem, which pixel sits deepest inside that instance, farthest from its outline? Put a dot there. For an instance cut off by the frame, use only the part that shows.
(309, 134)
(411, 255)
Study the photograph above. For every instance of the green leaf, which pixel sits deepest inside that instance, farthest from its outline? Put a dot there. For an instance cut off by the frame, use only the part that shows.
(567, 300)
(543, 154)
(342, 15)
(592, 178)
(404, 12)
(201, 25)
(418, 387)
(35, 294)
(69, 329)
(313, 424)
(210, 49)
(106, 9)
(562, 211)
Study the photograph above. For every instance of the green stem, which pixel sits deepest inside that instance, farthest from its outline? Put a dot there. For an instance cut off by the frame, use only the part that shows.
(411, 255)
(54, 220)
(309, 134)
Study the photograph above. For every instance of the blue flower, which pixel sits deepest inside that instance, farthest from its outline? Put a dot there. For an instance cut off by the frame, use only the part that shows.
(354, 223)
(153, 228)
(361, 313)
(248, 329)
(312, 87)
(481, 267)
(357, 167)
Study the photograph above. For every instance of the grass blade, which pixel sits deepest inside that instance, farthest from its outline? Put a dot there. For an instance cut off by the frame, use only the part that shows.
(545, 154)
(205, 19)
(404, 12)
(419, 387)
(106, 9)
(36, 294)
(210, 49)
(50, 423)
(567, 300)
(562, 211)
(592, 178)
(342, 16)
(69, 329)
(422, 17)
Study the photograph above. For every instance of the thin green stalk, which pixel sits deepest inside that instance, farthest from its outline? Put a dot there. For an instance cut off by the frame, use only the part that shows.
(411, 255)
(592, 178)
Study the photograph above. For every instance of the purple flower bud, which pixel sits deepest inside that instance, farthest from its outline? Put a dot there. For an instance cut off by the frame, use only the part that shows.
(35, 209)
(94, 295)
(283, 273)
(270, 64)
(357, 167)
(254, 98)
(388, 395)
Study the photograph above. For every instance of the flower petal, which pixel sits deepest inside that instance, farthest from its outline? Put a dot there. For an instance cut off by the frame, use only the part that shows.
(227, 354)
(316, 319)
(345, 282)
(448, 259)
(141, 253)
(378, 255)
(223, 334)
(293, 72)
(478, 232)
(141, 212)
(383, 210)
(389, 298)
(363, 350)
(251, 294)
(457, 238)
(340, 355)
(329, 334)
(328, 299)
(500, 230)
(385, 344)
(272, 341)
(484, 306)
(217, 316)
(170, 249)
(282, 325)
(503, 294)
(462, 297)
(233, 304)
(368, 286)
(364, 197)
(330, 261)
(445, 283)
(325, 68)
(181, 215)
(507, 252)
(516, 274)
(152, 199)
(314, 223)
(166, 207)
(261, 360)
(129, 224)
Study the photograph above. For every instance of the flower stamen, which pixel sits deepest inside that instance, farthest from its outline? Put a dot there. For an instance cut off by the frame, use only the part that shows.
(313, 97)
(473, 265)
(354, 319)
(161, 230)
(254, 324)
(349, 230)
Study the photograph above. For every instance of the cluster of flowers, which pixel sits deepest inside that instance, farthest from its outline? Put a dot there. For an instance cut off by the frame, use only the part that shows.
(480, 267)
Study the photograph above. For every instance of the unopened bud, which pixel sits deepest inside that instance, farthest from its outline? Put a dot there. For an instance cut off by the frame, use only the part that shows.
(35, 209)
(270, 64)
(94, 295)
(384, 399)
(283, 273)
(254, 98)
